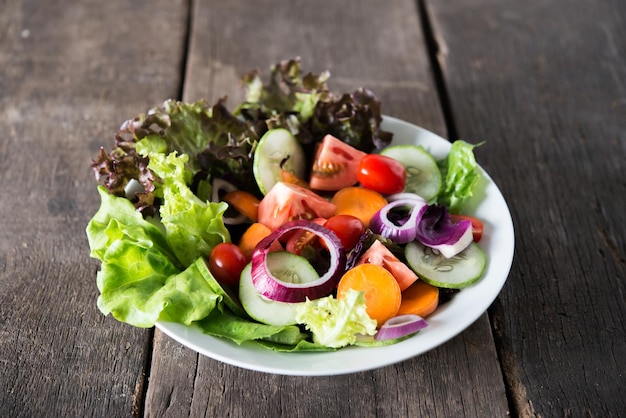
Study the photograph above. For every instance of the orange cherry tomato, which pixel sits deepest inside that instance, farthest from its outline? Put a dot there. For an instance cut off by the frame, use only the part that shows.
(359, 202)
(252, 236)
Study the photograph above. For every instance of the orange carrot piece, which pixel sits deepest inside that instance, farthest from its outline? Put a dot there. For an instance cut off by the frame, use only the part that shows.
(420, 299)
(359, 202)
(382, 292)
(290, 177)
(245, 203)
(251, 237)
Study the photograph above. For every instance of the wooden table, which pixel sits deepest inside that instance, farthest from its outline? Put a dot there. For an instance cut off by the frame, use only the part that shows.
(541, 82)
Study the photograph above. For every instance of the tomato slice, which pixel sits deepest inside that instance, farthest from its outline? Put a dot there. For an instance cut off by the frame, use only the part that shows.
(300, 239)
(381, 174)
(335, 165)
(288, 202)
(380, 255)
(477, 225)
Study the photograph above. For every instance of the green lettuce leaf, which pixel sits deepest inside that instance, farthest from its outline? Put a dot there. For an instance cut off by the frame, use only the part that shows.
(354, 118)
(303, 104)
(289, 91)
(304, 345)
(192, 227)
(336, 322)
(140, 280)
(227, 325)
(218, 144)
(460, 174)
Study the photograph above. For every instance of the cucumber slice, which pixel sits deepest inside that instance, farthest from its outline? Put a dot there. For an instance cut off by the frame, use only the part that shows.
(274, 147)
(229, 298)
(423, 177)
(456, 272)
(287, 267)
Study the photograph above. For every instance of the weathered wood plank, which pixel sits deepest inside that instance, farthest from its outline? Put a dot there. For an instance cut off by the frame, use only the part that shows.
(370, 44)
(71, 73)
(543, 84)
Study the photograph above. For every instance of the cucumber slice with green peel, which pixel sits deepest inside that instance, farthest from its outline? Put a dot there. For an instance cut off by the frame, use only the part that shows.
(456, 272)
(276, 147)
(423, 176)
(287, 267)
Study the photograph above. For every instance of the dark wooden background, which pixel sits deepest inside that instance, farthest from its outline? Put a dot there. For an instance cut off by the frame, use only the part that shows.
(542, 82)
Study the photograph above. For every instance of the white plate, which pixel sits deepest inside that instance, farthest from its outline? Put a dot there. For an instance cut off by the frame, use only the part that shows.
(447, 322)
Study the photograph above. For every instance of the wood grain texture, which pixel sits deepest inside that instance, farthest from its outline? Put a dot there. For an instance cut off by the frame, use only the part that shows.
(71, 73)
(361, 44)
(543, 84)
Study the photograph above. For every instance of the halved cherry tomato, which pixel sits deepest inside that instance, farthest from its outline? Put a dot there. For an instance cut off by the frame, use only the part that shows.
(335, 165)
(348, 229)
(244, 202)
(382, 174)
(288, 202)
(226, 263)
(299, 239)
(477, 225)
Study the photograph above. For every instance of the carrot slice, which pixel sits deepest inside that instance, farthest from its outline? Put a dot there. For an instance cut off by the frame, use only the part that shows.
(420, 299)
(290, 177)
(245, 203)
(382, 292)
(359, 202)
(251, 237)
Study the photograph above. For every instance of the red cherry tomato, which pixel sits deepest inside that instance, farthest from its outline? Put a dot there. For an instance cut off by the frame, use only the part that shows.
(226, 263)
(348, 229)
(381, 174)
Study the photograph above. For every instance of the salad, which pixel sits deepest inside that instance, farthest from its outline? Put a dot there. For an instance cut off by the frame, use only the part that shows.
(292, 221)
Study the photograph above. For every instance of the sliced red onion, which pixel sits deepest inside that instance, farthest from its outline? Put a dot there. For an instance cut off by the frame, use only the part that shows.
(275, 289)
(403, 229)
(222, 186)
(437, 230)
(400, 326)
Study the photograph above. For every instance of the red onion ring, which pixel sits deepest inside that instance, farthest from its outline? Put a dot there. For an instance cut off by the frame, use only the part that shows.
(275, 289)
(220, 185)
(400, 326)
(381, 223)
